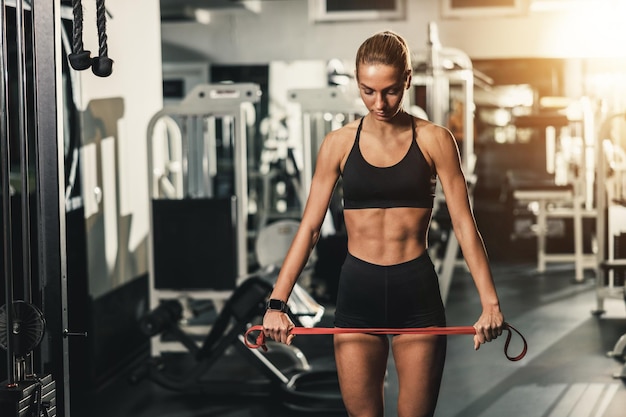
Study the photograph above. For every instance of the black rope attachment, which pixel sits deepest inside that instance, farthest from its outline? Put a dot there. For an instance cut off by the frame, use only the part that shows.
(80, 59)
(102, 65)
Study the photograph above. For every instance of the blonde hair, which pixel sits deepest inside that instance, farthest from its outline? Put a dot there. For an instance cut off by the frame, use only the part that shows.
(387, 48)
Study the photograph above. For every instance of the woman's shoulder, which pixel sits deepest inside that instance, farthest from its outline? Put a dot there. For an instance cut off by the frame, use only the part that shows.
(429, 131)
(344, 135)
(349, 128)
(338, 142)
(435, 141)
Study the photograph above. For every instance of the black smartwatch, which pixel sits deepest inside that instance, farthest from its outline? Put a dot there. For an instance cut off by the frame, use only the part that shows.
(274, 304)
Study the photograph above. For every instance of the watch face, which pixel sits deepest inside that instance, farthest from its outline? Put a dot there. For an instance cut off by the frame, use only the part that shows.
(276, 305)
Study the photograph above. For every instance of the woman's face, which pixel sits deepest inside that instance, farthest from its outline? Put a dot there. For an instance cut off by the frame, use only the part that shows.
(382, 89)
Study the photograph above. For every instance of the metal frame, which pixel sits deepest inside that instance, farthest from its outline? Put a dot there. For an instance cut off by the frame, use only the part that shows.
(50, 192)
(205, 101)
(604, 282)
(49, 288)
(577, 212)
(5, 161)
(574, 200)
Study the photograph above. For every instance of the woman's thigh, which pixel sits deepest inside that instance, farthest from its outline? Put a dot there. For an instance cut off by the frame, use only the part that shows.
(361, 366)
(419, 362)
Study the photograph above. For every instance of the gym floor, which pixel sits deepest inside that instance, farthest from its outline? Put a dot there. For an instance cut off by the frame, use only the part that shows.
(566, 372)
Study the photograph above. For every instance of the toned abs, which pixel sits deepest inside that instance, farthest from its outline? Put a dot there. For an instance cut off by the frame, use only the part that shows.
(387, 236)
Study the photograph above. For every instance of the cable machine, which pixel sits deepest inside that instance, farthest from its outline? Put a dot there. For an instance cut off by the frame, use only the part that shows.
(34, 272)
(197, 160)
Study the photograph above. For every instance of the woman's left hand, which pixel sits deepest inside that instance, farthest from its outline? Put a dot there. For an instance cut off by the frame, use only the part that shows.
(488, 327)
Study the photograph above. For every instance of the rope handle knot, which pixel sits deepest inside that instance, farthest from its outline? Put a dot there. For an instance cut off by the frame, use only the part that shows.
(469, 330)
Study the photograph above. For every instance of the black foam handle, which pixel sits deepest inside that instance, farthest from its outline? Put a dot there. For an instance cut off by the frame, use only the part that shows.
(102, 66)
(80, 60)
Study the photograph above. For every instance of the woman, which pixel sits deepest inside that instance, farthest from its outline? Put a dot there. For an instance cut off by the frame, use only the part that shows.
(389, 162)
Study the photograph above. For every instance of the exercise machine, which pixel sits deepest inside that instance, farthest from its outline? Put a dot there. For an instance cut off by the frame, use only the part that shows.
(33, 259)
(198, 181)
(611, 221)
(282, 372)
(279, 197)
(191, 144)
(564, 191)
(26, 393)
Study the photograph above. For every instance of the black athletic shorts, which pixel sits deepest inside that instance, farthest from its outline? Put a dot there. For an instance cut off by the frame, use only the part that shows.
(396, 296)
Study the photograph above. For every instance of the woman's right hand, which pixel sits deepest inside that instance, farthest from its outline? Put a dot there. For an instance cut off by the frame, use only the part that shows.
(277, 326)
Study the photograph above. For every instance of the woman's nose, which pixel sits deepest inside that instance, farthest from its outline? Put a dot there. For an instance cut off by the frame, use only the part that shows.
(379, 102)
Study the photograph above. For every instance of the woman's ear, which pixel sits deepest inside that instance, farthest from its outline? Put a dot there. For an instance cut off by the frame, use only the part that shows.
(409, 77)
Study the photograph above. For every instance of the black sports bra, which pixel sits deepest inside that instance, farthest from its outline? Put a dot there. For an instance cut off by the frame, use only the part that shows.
(409, 183)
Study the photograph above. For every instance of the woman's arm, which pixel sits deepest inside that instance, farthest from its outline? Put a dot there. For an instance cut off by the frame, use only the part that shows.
(277, 324)
(444, 153)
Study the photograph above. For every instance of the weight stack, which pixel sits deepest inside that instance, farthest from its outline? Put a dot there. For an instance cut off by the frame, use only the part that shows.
(30, 398)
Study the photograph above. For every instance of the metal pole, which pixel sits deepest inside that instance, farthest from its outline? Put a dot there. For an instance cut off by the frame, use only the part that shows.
(185, 158)
(307, 158)
(5, 165)
(469, 158)
(437, 92)
(22, 136)
(241, 191)
(52, 262)
(601, 210)
(602, 207)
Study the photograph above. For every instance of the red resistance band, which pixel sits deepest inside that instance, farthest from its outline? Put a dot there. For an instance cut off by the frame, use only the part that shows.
(260, 340)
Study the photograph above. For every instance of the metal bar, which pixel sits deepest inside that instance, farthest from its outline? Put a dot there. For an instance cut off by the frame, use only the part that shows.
(185, 156)
(602, 211)
(50, 193)
(241, 191)
(192, 154)
(212, 153)
(307, 158)
(22, 136)
(5, 165)
(29, 283)
(589, 140)
(469, 158)
(153, 184)
(206, 159)
(437, 94)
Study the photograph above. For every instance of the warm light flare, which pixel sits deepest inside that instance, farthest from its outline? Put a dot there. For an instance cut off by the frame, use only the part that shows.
(588, 28)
